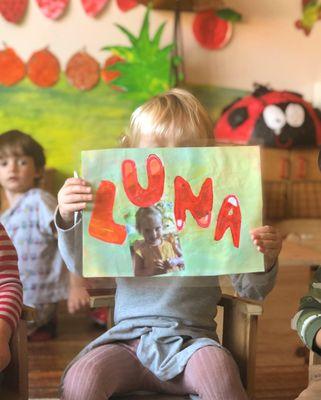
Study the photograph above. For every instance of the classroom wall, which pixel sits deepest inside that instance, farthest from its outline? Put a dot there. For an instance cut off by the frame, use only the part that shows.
(266, 47)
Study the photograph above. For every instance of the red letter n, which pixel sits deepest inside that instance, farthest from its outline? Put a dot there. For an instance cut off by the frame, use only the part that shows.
(229, 217)
(200, 206)
(102, 225)
(156, 176)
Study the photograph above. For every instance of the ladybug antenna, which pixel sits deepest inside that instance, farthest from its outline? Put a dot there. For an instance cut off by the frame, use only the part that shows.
(260, 90)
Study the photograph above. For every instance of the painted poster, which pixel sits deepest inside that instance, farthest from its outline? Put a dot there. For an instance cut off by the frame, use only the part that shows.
(172, 211)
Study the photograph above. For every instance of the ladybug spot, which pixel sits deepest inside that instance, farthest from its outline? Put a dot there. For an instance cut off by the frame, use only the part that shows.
(238, 116)
(295, 115)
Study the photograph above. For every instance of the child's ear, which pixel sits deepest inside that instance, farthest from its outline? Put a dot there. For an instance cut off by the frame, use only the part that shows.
(40, 173)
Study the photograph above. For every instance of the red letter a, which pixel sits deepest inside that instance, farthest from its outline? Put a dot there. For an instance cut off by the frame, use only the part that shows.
(102, 225)
(156, 176)
(229, 217)
(200, 206)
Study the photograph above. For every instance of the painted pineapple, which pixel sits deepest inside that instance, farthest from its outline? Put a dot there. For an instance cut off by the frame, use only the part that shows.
(146, 69)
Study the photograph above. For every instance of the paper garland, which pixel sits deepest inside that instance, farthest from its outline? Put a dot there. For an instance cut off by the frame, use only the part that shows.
(53, 9)
(13, 10)
(12, 68)
(94, 7)
(126, 5)
(83, 71)
(43, 68)
(211, 31)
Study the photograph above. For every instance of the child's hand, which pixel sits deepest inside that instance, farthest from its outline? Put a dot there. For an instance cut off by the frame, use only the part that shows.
(317, 339)
(77, 299)
(72, 197)
(160, 264)
(5, 355)
(268, 241)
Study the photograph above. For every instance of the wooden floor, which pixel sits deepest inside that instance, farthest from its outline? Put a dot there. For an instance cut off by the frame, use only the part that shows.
(281, 368)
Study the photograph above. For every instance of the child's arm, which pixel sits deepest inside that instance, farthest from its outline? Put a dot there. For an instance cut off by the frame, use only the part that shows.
(10, 295)
(141, 269)
(307, 320)
(72, 197)
(78, 296)
(176, 247)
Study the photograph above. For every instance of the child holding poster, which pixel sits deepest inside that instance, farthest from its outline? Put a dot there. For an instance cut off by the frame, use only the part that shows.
(155, 254)
(164, 337)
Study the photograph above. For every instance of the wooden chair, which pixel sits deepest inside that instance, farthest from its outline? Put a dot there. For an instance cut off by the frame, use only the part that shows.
(15, 381)
(237, 325)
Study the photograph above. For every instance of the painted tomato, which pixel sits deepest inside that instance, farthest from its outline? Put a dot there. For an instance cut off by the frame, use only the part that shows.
(211, 31)
(12, 68)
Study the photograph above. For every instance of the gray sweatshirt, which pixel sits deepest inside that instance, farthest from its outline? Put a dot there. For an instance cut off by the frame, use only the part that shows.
(172, 316)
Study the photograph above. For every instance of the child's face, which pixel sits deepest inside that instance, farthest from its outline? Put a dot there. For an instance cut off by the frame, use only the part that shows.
(17, 172)
(152, 230)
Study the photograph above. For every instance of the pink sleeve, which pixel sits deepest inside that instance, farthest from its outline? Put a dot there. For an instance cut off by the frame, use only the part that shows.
(10, 284)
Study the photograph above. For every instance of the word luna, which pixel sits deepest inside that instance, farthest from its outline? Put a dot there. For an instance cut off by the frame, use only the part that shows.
(102, 225)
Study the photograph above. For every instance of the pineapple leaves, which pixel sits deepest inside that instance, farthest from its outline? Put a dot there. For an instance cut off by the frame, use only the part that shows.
(146, 69)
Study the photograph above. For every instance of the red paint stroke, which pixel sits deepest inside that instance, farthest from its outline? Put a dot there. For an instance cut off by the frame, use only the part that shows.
(102, 225)
(229, 217)
(126, 5)
(200, 206)
(156, 176)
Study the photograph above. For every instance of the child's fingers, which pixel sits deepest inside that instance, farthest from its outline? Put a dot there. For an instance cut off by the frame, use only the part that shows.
(264, 229)
(77, 198)
(75, 181)
(266, 236)
(72, 189)
(269, 244)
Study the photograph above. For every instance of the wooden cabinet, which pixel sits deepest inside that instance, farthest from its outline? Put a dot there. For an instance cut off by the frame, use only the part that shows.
(291, 183)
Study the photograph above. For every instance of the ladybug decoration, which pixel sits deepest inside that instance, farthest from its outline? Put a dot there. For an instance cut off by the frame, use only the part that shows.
(270, 118)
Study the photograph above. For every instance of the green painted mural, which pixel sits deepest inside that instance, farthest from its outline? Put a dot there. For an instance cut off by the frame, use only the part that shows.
(66, 121)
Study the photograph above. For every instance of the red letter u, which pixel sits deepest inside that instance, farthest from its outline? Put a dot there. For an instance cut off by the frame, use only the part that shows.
(200, 206)
(156, 176)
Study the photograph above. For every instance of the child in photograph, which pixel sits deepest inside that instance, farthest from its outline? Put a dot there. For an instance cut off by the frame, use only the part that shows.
(10, 297)
(155, 254)
(29, 223)
(164, 337)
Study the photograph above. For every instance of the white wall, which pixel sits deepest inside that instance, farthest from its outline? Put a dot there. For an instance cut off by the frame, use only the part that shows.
(265, 48)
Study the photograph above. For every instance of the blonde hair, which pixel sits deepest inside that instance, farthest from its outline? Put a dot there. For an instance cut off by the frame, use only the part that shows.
(173, 118)
(146, 212)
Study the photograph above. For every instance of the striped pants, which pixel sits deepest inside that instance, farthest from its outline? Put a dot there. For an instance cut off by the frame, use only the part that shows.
(114, 368)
